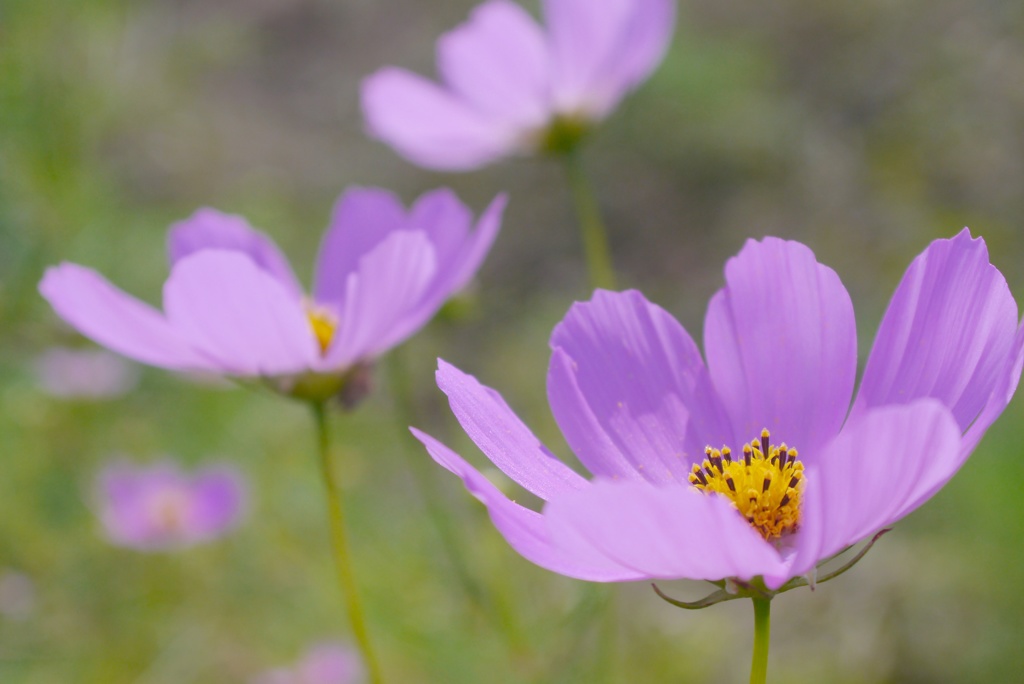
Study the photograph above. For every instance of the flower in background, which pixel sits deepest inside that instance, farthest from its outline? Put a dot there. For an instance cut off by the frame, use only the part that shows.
(753, 464)
(509, 86)
(17, 595)
(325, 663)
(84, 373)
(233, 306)
(160, 508)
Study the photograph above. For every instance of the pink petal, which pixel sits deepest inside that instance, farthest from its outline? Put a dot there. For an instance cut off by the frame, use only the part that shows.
(873, 474)
(445, 219)
(1006, 386)
(602, 49)
(670, 532)
(362, 219)
(498, 62)
(218, 501)
(781, 345)
(239, 315)
(118, 321)
(211, 229)
(503, 438)
(629, 390)
(457, 263)
(642, 44)
(430, 126)
(947, 333)
(454, 265)
(525, 530)
(387, 283)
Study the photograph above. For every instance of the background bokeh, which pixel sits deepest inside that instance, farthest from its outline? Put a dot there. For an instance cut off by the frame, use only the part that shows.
(863, 129)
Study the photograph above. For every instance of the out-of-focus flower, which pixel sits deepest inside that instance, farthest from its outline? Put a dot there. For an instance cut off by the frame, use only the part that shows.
(84, 373)
(17, 595)
(793, 474)
(159, 508)
(233, 306)
(325, 663)
(509, 86)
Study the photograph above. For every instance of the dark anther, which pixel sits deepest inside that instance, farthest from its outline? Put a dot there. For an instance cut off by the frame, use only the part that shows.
(785, 500)
(767, 482)
(728, 481)
(764, 443)
(700, 476)
(727, 454)
(794, 481)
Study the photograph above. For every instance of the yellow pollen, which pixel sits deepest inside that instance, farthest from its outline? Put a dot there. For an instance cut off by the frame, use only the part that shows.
(324, 324)
(764, 484)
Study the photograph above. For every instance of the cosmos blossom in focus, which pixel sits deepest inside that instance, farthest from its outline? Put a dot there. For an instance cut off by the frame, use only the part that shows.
(159, 507)
(233, 306)
(509, 86)
(325, 663)
(749, 463)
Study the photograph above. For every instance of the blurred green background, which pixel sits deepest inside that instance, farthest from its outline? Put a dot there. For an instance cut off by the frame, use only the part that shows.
(863, 129)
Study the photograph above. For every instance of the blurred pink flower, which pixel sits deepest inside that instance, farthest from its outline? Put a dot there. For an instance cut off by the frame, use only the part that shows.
(638, 404)
(233, 306)
(84, 373)
(508, 85)
(159, 508)
(325, 663)
(17, 595)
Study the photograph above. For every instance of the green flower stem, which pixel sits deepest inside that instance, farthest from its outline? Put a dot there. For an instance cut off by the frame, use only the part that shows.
(339, 542)
(595, 237)
(419, 465)
(762, 633)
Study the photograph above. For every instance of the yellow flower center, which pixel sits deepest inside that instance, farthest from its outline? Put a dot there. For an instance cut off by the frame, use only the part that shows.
(765, 485)
(323, 322)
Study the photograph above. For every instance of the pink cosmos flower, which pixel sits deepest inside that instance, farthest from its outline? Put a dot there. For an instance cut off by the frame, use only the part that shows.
(325, 663)
(160, 508)
(509, 85)
(233, 306)
(750, 462)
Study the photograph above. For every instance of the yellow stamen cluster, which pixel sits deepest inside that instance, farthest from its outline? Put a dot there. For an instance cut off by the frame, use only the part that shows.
(764, 485)
(324, 324)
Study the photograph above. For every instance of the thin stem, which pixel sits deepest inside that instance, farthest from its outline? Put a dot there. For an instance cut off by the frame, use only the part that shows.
(595, 237)
(339, 542)
(762, 632)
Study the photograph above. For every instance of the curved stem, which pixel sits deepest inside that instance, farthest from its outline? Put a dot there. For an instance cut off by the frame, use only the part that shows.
(595, 237)
(762, 632)
(339, 542)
